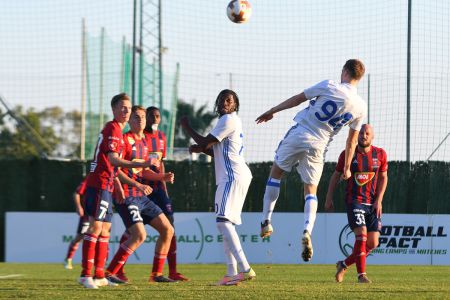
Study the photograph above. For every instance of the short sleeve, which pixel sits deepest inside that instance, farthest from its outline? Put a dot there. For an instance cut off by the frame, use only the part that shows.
(358, 121)
(112, 136)
(316, 90)
(224, 127)
(384, 164)
(164, 150)
(341, 161)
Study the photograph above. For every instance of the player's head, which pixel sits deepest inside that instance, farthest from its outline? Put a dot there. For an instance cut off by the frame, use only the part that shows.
(121, 107)
(365, 136)
(353, 70)
(137, 119)
(226, 102)
(153, 118)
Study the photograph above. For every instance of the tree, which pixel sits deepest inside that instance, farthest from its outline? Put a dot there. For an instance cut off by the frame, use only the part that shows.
(200, 121)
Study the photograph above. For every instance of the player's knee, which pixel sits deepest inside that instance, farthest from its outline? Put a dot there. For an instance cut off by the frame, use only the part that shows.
(140, 237)
(372, 244)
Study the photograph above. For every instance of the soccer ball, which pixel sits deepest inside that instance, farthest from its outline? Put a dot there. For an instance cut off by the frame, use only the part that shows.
(239, 11)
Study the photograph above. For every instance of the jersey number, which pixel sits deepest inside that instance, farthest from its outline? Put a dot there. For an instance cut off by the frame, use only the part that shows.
(360, 220)
(103, 209)
(134, 212)
(329, 109)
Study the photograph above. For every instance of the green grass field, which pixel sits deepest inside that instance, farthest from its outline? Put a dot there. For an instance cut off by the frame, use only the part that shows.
(52, 281)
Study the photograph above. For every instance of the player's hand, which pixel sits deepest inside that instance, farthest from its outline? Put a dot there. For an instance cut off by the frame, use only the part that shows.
(377, 206)
(267, 116)
(119, 195)
(329, 205)
(147, 190)
(195, 148)
(346, 174)
(80, 210)
(169, 177)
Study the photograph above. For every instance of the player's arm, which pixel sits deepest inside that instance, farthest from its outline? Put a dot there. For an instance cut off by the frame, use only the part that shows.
(131, 182)
(116, 161)
(350, 146)
(153, 176)
(381, 188)
(204, 143)
(119, 193)
(334, 180)
(78, 207)
(289, 103)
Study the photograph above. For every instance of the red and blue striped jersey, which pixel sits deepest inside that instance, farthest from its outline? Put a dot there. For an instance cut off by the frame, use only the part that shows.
(135, 149)
(157, 147)
(81, 189)
(102, 173)
(365, 167)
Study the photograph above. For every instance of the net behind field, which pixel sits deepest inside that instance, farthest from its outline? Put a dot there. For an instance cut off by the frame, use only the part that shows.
(285, 47)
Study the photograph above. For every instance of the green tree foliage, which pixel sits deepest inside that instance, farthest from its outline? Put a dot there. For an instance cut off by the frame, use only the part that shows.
(200, 119)
(50, 130)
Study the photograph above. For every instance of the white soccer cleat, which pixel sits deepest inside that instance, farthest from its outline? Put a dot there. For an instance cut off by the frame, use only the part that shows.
(307, 248)
(87, 282)
(68, 264)
(266, 229)
(104, 282)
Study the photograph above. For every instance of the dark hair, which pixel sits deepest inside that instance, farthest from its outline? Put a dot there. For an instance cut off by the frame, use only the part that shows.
(355, 67)
(135, 108)
(151, 108)
(117, 98)
(223, 94)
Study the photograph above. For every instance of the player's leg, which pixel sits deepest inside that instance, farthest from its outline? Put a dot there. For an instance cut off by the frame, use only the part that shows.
(156, 218)
(310, 169)
(231, 265)
(121, 272)
(229, 201)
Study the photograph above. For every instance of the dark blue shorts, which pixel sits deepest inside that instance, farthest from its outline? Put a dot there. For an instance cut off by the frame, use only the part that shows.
(138, 210)
(159, 197)
(83, 224)
(98, 204)
(360, 215)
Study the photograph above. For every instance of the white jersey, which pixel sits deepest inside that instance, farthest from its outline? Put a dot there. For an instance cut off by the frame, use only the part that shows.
(228, 154)
(332, 106)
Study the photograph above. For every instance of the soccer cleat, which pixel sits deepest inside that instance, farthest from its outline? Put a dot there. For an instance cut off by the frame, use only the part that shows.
(104, 282)
(266, 229)
(123, 277)
(363, 279)
(340, 271)
(68, 264)
(114, 278)
(178, 277)
(227, 280)
(307, 248)
(242, 276)
(160, 278)
(87, 282)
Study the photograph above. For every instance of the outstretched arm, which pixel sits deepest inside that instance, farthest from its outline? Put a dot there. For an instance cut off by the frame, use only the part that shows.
(204, 143)
(289, 103)
(350, 146)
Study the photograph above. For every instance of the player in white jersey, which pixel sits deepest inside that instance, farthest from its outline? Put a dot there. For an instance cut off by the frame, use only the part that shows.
(233, 177)
(332, 105)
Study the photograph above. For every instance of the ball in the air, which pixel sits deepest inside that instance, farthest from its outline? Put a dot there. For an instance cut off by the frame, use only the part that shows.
(239, 11)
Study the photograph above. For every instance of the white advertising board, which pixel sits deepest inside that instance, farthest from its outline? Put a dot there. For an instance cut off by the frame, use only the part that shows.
(405, 239)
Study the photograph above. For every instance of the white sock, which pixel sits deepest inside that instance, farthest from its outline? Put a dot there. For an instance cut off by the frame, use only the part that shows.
(230, 235)
(270, 197)
(230, 260)
(310, 212)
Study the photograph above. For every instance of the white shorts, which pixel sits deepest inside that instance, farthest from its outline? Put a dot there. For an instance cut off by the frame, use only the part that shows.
(297, 148)
(230, 197)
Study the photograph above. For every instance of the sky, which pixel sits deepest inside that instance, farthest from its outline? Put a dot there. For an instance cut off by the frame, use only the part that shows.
(286, 46)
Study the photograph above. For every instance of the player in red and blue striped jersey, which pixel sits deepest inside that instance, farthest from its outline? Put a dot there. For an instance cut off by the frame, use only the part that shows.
(136, 209)
(363, 196)
(83, 223)
(156, 141)
(99, 189)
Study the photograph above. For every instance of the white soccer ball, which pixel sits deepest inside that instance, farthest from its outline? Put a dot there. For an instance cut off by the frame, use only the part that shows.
(239, 11)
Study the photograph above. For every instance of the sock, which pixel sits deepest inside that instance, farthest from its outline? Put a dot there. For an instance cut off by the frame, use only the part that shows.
(270, 197)
(230, 260)
(101, 252)
(310, 212)
(72, 248)
(89, 243)
(230, 235)
(123, 239)
(360, 251)
(172, 256)
(119, 259)
(351, 259)
(158, 263)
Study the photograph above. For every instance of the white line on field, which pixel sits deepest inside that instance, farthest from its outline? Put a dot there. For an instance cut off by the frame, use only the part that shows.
(10, 276)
